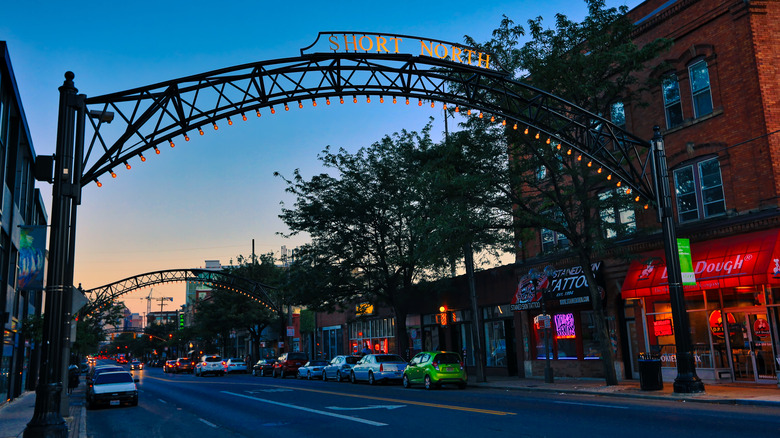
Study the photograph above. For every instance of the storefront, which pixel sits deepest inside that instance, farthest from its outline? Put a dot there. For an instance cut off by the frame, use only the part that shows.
(376, 335)
(571, 338)
(733, 308)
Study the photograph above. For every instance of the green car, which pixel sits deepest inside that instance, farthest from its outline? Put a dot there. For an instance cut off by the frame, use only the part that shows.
(433, 368)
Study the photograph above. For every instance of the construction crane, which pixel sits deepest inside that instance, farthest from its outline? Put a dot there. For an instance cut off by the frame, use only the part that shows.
(149, 299)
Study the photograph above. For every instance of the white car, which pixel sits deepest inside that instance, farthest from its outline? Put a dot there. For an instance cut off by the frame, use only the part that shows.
(112, 388)
(235, 365)
(212, 364)
(378, 368)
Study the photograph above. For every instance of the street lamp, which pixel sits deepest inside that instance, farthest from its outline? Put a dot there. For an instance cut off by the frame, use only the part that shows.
(686, 381)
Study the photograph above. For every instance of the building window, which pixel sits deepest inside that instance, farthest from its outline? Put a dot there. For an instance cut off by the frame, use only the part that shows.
(699, 190)
(617, 215)
(618, 115)
(672, 105)
(700, 89)
(552, 240)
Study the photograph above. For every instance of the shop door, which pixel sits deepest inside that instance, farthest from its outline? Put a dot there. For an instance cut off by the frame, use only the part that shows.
(751, 348)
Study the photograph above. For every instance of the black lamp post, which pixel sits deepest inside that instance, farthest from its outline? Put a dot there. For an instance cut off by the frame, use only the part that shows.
(549, 376)
(686, 381)
(47, 419)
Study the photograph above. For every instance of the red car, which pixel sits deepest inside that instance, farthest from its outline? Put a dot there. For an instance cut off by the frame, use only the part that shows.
(288, 364)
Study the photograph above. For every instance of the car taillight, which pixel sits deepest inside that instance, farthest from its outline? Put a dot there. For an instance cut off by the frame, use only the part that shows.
(381, 367)
(436, 365)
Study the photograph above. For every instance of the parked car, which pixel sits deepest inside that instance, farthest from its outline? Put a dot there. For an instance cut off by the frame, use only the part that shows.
(136, 365)
(235, 365)
(170, 366)
(102, 369)
(312, 369)
(263, 367)
(339, 368)
(378, 368)
(185, 365)
(112, 388)
(288, 364)
(434, 368)
(212, 364)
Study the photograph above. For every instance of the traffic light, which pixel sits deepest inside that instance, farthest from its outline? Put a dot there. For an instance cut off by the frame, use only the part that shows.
(181, 320)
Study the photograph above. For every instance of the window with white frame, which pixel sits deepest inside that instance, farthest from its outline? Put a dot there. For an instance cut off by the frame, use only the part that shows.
(617, 215)
(700, 88)
(699, 190)
(672, 104)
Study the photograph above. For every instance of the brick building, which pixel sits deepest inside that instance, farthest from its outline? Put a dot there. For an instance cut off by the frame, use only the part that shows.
(717, 104)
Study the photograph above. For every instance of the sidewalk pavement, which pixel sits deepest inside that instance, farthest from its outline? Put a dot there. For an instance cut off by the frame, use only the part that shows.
(15, 415)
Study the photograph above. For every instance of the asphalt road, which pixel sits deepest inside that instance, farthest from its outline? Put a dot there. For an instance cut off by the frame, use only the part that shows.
(241, 405)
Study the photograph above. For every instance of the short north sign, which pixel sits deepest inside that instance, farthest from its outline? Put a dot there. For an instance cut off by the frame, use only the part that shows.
(370, 42)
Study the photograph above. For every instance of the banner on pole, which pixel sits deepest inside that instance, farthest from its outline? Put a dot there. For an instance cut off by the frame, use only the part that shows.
(32, 257)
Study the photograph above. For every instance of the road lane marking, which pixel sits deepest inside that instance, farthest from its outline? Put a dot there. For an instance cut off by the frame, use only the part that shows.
(590, 404)
(162, 401)
(408, 402)
(363, 408)
(208, 423)
(314, 411)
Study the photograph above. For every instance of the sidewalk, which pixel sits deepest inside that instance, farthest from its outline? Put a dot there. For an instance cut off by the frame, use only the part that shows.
(728, 393)
(15, 415)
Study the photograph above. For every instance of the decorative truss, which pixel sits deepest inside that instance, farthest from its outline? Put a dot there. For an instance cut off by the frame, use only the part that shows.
(172, 111)
(103, 296)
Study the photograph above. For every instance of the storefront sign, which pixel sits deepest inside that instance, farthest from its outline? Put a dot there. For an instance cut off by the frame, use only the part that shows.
(561, 288)
(761, 328)
(716, 322)
(371, 42)
(663, 328)
(736, 261)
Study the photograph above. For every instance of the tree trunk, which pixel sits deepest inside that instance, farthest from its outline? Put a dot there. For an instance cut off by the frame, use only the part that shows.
(476, 328)
(600, 322)
(402, 340)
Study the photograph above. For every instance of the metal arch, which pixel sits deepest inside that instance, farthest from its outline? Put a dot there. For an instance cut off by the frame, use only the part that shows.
(173, 110)
(106, 294)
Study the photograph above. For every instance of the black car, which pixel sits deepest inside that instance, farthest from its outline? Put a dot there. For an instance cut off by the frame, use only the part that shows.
(263, 367)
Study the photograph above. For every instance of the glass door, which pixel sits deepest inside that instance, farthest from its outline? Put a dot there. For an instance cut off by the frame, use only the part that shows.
(751, 347)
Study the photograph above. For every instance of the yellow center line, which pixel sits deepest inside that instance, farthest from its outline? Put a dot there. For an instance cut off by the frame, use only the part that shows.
(369, 397)
(409, 402)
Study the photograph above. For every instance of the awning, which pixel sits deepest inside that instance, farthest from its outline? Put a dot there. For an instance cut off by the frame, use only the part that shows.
(743, 260)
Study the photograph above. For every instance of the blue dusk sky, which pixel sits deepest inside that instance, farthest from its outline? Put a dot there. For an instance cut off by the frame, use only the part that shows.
(209, 198)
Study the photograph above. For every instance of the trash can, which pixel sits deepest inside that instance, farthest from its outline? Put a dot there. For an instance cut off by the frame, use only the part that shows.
(650, 378)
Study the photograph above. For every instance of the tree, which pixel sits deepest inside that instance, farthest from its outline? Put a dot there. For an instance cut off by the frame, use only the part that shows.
(365, 225)
(257, 318)
(90, 328)
(592, 64)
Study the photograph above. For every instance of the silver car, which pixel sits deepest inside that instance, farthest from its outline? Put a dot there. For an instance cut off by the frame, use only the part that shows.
(312, 369)
(339, 368)
(378, 368)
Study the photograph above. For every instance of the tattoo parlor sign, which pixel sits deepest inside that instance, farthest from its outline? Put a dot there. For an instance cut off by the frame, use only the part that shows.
(562, 288)
(370, 42)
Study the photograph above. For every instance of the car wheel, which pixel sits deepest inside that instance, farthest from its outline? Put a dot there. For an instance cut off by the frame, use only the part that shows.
(273, 373)
(134, 402)
(308, 375)
(281, 373)
(324, 376)
(352, 377)
(406, 382)
(338, 376)
(371, 380)
(428, 382)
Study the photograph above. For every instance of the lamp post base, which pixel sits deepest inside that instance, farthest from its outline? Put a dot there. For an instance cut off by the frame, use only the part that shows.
(688, 385)
(549, 377)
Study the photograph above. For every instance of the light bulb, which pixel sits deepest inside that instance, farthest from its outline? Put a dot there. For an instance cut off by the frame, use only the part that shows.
(215, 126)
(171, 143)
(243, 116)
(230, 122)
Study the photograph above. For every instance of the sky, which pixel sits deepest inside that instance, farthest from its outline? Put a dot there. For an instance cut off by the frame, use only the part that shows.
(210, 198)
